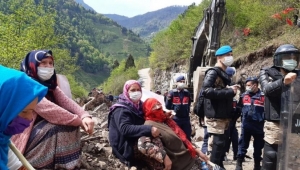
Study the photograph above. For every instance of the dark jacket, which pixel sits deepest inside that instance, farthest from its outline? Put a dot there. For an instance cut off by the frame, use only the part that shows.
(180, 102)
(271, 81)
(217, 98)
(253, 111)
(125, 127)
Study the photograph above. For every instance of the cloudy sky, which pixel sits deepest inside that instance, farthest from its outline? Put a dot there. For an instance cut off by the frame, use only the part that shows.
(132, 8)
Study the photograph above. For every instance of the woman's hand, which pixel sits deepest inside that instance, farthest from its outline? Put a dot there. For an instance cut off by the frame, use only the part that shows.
(88, 125)
(202, 156)
(167, 163)
(155, 132)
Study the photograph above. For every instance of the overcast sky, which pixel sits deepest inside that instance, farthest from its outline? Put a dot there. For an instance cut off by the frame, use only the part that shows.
(132, 8)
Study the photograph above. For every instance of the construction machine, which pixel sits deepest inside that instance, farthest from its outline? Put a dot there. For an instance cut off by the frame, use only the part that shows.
(205, 43)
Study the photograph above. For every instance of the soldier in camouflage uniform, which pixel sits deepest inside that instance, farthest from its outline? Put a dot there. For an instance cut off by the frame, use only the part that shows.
(273, 80)
(218, 96)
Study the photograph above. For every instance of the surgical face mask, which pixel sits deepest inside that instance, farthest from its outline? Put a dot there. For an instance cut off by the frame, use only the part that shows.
(45, 73)
(18, 125)
(289, 64)
(249, 89)
(228, 60)
(135, 96)
(180, 86)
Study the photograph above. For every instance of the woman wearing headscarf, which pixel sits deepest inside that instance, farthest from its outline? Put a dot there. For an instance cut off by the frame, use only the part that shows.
(19, 95)
(53, 139)
(178, 148)
(126, 124)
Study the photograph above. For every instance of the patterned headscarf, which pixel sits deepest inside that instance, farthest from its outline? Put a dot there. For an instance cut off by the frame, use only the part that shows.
(158, 115)
(17, 90)
(29, 66)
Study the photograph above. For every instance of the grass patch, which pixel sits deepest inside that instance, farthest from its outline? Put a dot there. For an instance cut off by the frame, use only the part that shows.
(89, 81)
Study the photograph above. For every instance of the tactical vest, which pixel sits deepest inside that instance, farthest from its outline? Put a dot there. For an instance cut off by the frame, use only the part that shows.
(273, 104)
(253, 106)
(181, 107)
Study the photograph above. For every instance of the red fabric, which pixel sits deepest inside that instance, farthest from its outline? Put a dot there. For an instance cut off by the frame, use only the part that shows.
(246, 31)
(290, 22)
(277, 16)
(158, 115)
(286, 11)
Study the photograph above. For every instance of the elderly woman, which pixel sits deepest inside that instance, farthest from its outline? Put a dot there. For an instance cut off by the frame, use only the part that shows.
(178, 148)
(19, 95)
(53, 139)
(126, 124)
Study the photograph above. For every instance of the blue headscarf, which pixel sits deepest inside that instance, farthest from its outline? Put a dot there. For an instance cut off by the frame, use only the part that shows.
(17, 90)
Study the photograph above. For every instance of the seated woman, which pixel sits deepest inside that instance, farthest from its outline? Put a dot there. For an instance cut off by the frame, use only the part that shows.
(126, 124)
(178, 148)
(19, 95)
(53, 139)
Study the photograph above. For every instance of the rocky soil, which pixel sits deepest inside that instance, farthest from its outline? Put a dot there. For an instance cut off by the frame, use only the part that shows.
(97, 153)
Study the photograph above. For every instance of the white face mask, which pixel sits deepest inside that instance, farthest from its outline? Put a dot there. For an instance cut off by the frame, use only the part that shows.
(135, 96)
(45, 73)
(289, 64)
(249, 89)
(180, 86)
(228, 60)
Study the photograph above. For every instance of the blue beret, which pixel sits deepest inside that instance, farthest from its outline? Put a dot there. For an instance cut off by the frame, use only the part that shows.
(230, 71)
(223, 50)
(180, 78)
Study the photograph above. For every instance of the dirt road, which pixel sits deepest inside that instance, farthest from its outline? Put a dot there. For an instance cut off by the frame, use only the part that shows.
(145, 78)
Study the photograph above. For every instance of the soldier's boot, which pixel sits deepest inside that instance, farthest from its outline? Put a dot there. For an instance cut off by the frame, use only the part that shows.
(234, 156)
(239, 164)
(257, 165)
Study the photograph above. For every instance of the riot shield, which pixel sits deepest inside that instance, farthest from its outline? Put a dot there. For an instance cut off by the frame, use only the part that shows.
(288, 157)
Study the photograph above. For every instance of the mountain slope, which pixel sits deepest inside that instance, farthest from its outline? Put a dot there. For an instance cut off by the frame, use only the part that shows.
(86, 6)
(94, 40)
(148, 24)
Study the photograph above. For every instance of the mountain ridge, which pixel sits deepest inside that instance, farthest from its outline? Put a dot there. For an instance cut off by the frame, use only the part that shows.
(86, 6)
(145, 25)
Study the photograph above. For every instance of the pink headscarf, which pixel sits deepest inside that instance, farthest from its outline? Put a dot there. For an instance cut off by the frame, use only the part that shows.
(126, 88)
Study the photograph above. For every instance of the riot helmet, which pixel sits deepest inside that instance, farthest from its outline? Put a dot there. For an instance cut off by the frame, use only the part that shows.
(287, 56)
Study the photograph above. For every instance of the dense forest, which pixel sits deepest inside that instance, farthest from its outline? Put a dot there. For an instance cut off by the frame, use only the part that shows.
(85, 44)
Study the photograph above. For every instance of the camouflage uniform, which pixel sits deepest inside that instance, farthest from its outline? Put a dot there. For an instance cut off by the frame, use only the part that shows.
(216, 126)
(153, 148)
(272, 131)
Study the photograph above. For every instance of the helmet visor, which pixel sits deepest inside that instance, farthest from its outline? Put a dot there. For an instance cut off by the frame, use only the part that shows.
(284, 59)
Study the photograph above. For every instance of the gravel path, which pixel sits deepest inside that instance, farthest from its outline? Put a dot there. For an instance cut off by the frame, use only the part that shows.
(145, 77)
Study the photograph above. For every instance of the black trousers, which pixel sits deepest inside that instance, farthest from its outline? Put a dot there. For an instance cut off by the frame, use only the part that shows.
(270, 156)
(218, 148)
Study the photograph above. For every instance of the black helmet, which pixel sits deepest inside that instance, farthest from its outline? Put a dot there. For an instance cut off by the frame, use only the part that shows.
(287, 56)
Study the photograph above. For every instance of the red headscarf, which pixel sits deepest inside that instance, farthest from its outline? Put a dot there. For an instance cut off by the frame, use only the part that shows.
(155, 113)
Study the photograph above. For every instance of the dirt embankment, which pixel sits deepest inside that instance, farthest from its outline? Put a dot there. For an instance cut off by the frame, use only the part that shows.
(251, 63)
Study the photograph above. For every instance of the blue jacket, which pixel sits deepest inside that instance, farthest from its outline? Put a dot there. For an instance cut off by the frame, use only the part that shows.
(125, 127)
(180, 102)
(253, 110)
